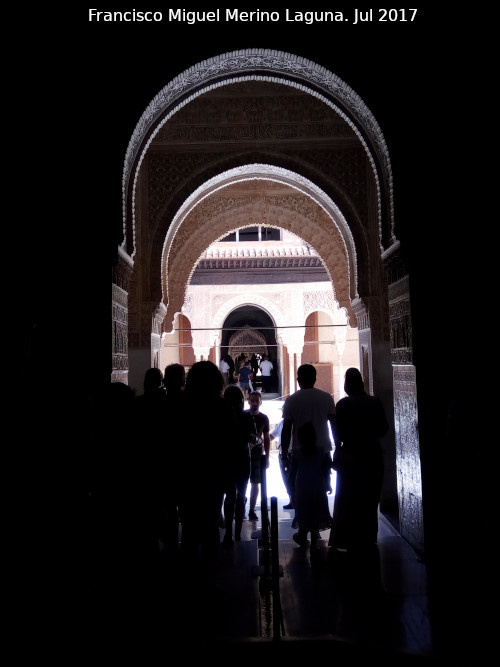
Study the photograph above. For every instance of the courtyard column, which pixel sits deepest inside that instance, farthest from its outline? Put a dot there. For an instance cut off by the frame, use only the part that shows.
(203, 341)
(201, 353)
(294, 361)
(339, 336)
(292, 372)
(293, 337)
(198, 310)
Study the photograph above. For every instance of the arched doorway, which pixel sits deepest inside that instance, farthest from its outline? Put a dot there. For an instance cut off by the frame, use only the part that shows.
(335, 192)
(250, 329)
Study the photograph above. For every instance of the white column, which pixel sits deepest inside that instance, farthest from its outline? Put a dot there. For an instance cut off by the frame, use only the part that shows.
(292, 374)
(294, 359)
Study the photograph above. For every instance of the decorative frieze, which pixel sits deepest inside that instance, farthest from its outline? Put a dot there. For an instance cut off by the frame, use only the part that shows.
(247, 341)
(399, 290)
(361, 313)
(298, 213)
(320, 300)
(122, 270)
(119, 299)
(291, 69)
(400, 327)
(199, 158)
(119, 325)
(409, 478)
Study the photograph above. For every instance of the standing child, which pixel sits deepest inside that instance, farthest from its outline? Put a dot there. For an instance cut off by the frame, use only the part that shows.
(261, 444)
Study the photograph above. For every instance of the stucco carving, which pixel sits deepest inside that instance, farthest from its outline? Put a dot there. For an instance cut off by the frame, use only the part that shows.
(120, 329)
(362, 314)
(122, 270)
(400, 322)
(243, 65)
(204, 223)
(191, 200)
(408, 455)
(223, 121)
(247, 341)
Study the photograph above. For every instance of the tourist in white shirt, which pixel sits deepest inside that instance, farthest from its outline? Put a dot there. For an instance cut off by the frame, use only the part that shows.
(224, 369)
(266, 368)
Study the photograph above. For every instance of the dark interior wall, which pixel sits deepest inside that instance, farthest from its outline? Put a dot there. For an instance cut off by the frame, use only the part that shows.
(110, 86)
(76, 108)
(94, 112)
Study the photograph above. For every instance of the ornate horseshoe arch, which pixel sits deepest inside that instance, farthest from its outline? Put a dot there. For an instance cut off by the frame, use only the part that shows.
(381, 310)
(324, 228)
(262, 65)
(277, 316)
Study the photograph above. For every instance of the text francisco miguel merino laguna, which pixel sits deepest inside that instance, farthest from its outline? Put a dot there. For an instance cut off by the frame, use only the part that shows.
(192, 17)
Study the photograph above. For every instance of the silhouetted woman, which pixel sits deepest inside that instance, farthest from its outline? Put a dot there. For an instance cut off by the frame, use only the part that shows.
(208, 423)
(239, 472)
(361, 421)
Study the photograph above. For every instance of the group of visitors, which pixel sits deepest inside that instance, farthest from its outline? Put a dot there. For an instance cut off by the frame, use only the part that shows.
(243, 370)
(311, 423)
(149, 481)
(186, 437)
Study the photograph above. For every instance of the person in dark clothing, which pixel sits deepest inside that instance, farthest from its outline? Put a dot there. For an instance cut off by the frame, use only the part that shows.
(230, 373)
(308, 404)
(254, 363)
(244, 378)
(259, 445)
(239, 473)
(174, 380)
(361, 422)
(311, 488)
(208, 424)
(239, 360)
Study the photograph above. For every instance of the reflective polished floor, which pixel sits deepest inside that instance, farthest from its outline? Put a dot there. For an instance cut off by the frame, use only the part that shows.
(376, 601)
(273, 598)
(375, 604)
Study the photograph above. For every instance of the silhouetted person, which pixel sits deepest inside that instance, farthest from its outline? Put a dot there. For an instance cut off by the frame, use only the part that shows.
(259, 445)
(254, 363)
(208, 422)
(361, 421)
(244, 377)
(153, 382)
(313, 405)
(311, 487)
(150, 401)
(240, 359)
(239, 473)
(230, 373)
(275, 434)
(174, 380)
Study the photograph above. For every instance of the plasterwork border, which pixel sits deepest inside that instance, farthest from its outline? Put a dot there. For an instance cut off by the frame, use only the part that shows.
(312, 220)
(248, 64)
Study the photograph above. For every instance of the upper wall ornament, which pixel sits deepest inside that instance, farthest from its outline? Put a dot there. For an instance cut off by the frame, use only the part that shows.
(263, 65)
